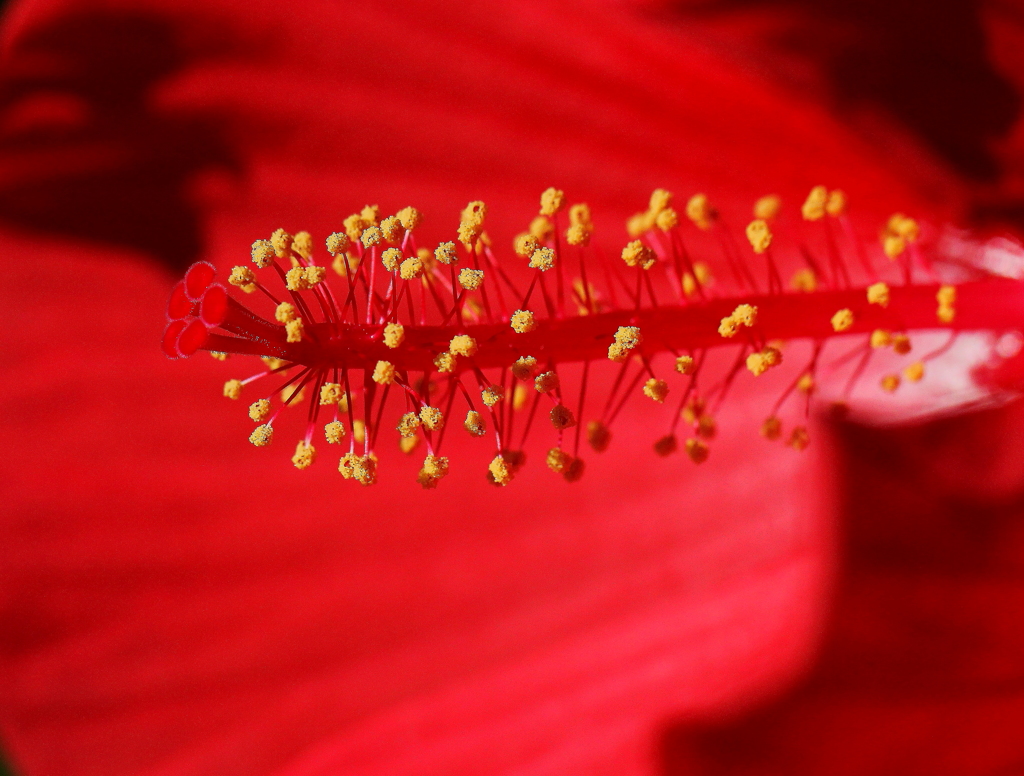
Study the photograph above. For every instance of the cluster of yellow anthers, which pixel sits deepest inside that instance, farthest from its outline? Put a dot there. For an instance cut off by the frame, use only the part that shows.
(426, 328)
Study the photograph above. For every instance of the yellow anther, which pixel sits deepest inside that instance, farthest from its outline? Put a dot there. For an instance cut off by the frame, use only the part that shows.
(519, 397)
(759, 234)
(354, 226)
(636, 254)
(562, 417)
(408, 444)
(293, 330)
(893, 245)
(305, 455)
(273, 363)
(330, 393)
(745, 314)
(689, 284)
(903, 227)
(551, 202)
(409, 217)
(435, 468)
(804, 280)
(542, 259)
(338, 243)
(394, 334)
(216, 355)
(523, 321)
(410, 268)
(637, 224)
(475, 211)
(302, 244)
(259, 410)
(946, 295)
(392, 229)
(370, 214)
(799, 438)
(334, 431)
(579, 234)
(408, 424)
(813, 208)
(384, 373)
(288, 398)
(262, 435)
(546, 382)
(359, 430)
(667, 445)
(233, 389)
(364, 469)
(525, 244)
(771, 429)
(347, 465)
(728, 327)
(878, 293)
(244, 278)
(371, 236)
(462, 345)
(768, 207)
(542, 229)
(475, 424)
(693, 410)
(656, 390)
(579, 214)
(700, 211)
(629, 336)
(660, 200)
(472, 223)
(598, 436)
(282, 242)
(843, 319)
(262, 253)
(470, 279)
(558, 460)
(836, 204)
(901, 344)
(391, 259)
(890, 383)
(500, 471)
(444, 363)
(806, 384)
(667, 219)
(697, 450)
(759, 363)
(445, 253)
(432, 418)
(524, 367)
(492, 395)
(945, 314)
(315, 274)
(756, 364)
(295, 279)
(914, 372)
(685, 365)
(880, 338)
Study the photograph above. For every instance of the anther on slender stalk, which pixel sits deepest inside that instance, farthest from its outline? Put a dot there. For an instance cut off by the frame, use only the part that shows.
(387, 340)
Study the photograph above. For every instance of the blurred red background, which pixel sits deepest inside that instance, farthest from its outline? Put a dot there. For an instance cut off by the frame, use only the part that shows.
(173, 601)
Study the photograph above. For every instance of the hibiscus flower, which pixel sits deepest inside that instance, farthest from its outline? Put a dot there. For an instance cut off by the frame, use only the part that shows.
(174, 601)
